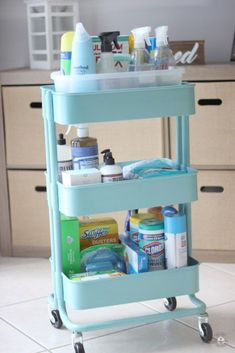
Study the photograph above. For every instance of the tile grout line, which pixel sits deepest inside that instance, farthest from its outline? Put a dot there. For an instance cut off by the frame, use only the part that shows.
(221, 270)
(21, 302)
(24, 334)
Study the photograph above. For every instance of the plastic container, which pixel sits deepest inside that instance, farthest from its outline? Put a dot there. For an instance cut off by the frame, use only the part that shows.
(119, 80)
(135, 219)
(151, 235)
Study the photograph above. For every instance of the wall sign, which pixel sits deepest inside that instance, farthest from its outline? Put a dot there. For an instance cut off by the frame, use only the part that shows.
(189, 52)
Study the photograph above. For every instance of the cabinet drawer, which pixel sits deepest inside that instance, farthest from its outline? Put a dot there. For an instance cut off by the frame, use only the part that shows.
(25, 133)
(29, 213)
(24, 126)
(212, 129)
(213, 214)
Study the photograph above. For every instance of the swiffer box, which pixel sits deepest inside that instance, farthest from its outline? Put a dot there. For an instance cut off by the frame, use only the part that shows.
(98, 231)
(70, 244)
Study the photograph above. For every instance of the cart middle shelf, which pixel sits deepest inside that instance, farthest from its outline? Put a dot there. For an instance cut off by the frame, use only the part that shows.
(90, 199)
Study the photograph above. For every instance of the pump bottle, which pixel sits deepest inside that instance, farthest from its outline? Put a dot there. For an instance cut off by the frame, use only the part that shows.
(163, 58)
(106, 62)
(110, 171)
(64, 156)
(84, 149)
(140, 57)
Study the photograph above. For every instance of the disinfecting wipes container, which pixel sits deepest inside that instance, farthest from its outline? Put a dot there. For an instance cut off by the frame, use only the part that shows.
(175, 240)
(151, 235)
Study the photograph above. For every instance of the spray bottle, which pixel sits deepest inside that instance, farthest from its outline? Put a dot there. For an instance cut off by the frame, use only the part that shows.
(83, 59)
(84, 149)
(163, 58)
(106, 62)
(140, 57)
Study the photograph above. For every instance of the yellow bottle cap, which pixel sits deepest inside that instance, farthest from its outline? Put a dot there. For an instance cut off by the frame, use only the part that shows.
(66, 41)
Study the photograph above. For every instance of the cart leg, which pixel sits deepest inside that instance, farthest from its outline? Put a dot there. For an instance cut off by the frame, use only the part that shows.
(77, 342)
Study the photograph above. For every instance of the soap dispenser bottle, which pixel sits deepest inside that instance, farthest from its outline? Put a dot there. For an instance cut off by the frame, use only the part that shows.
(163, 58)
(84, 149)
(83, 59)
(110, 171)
(106, 62)
(64, 156)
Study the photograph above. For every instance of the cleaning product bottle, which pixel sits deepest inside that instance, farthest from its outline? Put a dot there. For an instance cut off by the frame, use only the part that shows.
(64, 156)
(84, 149)
(83, 59)
(140, 55)
(163, 58)
(175, 229)
(110, 171)
(106, 62)
(66, 52)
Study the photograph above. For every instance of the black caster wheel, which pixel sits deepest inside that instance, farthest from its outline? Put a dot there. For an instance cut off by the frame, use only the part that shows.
(78, 348)
(170, 303)
(56, 321)
(207, 332)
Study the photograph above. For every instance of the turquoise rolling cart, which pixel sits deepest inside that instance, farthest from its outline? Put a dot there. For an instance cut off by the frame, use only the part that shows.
(137, 103)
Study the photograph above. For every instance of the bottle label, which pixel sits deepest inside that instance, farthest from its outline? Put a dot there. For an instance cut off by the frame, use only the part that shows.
(176, 249)
(63, 166)
(85, 157)
(110, 178)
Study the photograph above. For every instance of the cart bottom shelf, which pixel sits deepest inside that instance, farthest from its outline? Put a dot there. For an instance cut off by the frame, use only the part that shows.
(132, 288)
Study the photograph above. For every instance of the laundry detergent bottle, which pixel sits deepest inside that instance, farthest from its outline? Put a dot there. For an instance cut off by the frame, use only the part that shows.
(84, 149)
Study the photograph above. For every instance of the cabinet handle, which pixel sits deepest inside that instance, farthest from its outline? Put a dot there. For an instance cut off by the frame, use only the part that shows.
(216, 189)
(210, 101)
(39, 188)
(36, 105)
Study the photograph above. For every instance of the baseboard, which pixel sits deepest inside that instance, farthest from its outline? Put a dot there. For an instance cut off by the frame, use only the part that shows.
(222, 256)
(30, 251)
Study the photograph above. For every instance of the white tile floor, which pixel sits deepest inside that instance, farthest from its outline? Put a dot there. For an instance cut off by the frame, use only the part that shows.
(25, 327)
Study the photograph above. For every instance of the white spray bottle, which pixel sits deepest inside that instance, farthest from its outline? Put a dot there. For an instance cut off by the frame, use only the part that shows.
(163, 58)
(140, 57)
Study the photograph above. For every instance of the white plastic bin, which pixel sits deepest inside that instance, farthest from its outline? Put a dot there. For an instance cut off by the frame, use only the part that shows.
(107, 81)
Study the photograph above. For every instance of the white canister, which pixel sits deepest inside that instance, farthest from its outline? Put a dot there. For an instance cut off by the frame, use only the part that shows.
(175, 240)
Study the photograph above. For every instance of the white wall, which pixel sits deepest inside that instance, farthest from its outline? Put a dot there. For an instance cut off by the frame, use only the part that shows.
(211, 20)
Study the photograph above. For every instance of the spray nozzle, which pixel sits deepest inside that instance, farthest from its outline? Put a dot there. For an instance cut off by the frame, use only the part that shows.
(107, 38)
(141, 35)
(161, 35)
(108, 157)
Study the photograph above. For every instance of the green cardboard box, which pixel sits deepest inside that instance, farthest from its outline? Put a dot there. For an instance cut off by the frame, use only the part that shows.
(70, 244)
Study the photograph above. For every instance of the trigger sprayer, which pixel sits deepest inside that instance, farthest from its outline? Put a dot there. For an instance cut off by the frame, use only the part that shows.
(106, 62)
(140, 55)
(163, 57)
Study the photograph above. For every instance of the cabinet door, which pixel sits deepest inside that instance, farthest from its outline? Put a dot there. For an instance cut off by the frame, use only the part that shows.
(24, 126)
(212, 129)
(214, 213)
(29, 213)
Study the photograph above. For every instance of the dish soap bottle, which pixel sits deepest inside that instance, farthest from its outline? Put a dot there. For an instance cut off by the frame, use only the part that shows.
(140, 57)
(84, 149)
(64, 156)
(106, 62)
(110, 171)
(83, 59)
(163, 58)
